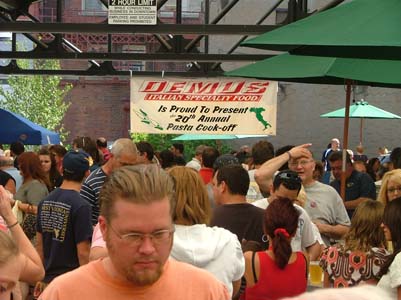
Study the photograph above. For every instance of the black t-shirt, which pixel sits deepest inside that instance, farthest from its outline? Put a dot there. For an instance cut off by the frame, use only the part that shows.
(357, 185)
(5, 177)
(64, 220)
(243, 219)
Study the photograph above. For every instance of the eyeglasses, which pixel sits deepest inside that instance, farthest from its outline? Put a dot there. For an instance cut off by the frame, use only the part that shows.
(136, 238)
(394, 189)
(289, 176)
(303, 163)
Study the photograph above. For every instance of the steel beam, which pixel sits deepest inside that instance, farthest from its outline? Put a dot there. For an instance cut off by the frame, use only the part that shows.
(183, 57)
(203, 29)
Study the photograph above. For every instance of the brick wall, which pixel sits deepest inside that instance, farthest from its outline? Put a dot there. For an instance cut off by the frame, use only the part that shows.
(99, 107)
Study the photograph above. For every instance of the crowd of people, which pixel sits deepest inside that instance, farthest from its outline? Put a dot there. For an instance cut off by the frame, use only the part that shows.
(130, 222)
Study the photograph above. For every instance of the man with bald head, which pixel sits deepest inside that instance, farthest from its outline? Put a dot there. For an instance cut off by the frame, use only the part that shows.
(324, 206)
(123, 153)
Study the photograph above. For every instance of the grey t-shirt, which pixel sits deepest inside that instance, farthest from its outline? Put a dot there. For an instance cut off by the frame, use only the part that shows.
(32, 192)
(324, 204)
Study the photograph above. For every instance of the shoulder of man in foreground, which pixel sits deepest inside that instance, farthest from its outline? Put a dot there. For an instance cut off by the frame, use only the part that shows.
(182, 280)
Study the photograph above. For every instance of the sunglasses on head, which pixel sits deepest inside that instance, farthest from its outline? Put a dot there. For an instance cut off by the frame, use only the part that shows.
(289, 176)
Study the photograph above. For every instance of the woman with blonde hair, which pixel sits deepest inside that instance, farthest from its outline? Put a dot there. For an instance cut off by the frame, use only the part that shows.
(390, 187)
(361, 257)
(211, 248)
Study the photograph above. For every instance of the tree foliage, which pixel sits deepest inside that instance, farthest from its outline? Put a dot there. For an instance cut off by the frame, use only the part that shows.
(164, 141)
(38, 98)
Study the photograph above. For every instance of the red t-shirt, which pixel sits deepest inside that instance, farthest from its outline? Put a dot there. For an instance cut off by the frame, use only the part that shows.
(275, 283)
(206, 174)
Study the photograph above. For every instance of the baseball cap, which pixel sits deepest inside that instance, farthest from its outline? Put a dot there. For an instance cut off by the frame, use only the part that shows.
(76, 162)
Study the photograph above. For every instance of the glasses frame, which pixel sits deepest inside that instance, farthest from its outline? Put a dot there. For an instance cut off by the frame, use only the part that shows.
(303, 163)
(392, 190)
(137, 238)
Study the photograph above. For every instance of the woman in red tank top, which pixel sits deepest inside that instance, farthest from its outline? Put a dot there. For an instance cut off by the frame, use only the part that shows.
(277, 272)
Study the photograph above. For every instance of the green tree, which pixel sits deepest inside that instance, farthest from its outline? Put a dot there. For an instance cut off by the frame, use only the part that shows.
(164, 141)
(38, 98)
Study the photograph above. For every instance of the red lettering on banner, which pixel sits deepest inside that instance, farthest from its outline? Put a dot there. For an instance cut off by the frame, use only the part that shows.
(233, 87)
(176, 87)
(198, 87)
(203, 87)
(256, 88)
(154, 86)
(204, 98)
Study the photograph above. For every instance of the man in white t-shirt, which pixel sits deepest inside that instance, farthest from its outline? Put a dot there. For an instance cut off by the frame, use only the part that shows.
(323, 205)
(287, 184)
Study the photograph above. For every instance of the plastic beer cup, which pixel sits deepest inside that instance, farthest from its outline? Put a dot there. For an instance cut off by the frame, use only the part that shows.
(315, 273)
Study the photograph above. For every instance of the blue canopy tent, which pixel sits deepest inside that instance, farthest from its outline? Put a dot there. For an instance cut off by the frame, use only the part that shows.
(14, 127)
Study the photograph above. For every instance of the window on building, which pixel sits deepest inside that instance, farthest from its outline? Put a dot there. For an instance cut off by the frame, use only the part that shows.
(93, 6)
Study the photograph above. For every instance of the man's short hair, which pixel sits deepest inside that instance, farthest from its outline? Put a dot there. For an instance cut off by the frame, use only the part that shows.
(6, 162)
(395, 158)
(209, 156)
(338, 155)
(179, 147)
(123, 145)
(235, 177)
(17, 148)
(289, 179)
(145, 147)
(139, 184)
(199, 149)
(225, 160)
(262, 151)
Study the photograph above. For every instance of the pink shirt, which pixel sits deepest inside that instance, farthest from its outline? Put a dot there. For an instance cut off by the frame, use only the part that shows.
(97, 238)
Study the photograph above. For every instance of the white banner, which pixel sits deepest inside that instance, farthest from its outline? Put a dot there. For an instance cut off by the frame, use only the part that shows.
(203, 105)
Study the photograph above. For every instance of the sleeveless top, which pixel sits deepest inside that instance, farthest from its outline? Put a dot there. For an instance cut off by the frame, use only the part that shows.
(347, 268)
(275, 283)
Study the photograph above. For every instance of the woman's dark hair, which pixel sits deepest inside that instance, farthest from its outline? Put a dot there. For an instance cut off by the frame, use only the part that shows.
(369, 168)
(167, 159)
(54, 175)
(281, 222)
(58, 150)
(89, 146)
(392, 219)
(395, 157)
(29, 164)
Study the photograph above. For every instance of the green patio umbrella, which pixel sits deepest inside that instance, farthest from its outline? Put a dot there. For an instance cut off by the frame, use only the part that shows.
(362, 110)
(358, 29)
(324, 70)
(198, 137)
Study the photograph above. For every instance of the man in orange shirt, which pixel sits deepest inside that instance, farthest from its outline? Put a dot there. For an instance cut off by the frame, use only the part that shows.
(137, 203)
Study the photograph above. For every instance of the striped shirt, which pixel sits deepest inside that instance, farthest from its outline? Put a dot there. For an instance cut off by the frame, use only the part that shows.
(90, 191)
